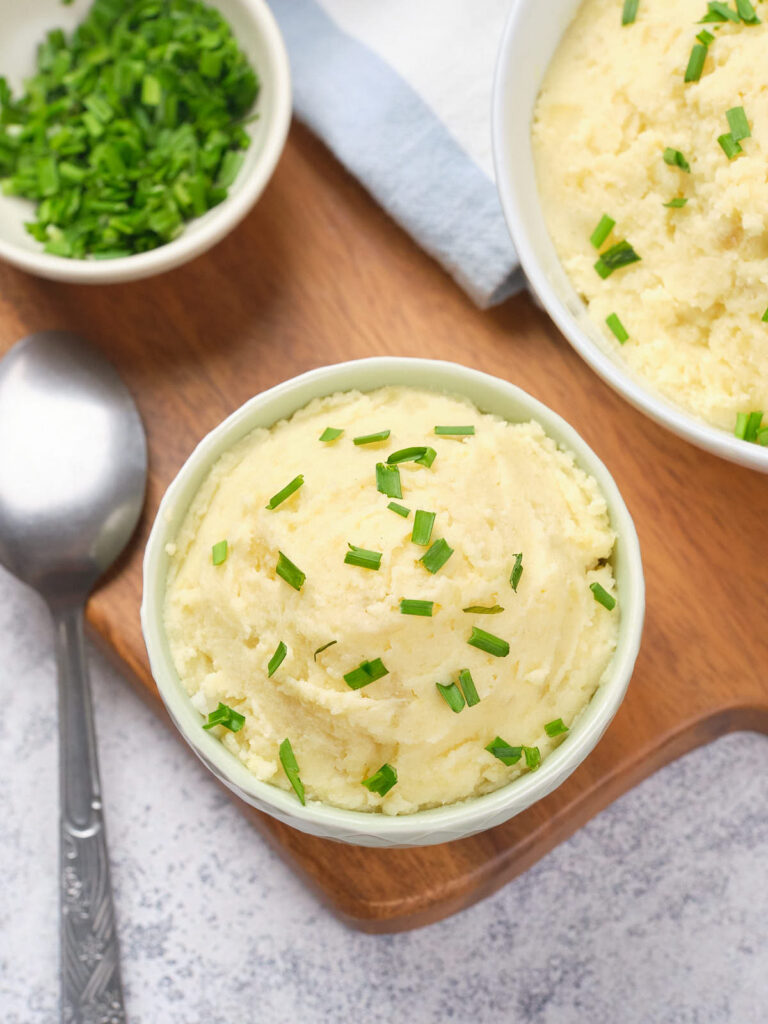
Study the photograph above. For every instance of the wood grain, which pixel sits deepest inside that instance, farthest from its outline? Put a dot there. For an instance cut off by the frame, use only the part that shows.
(316, 274)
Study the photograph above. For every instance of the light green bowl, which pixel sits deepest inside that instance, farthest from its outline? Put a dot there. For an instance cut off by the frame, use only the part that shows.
(442, 824)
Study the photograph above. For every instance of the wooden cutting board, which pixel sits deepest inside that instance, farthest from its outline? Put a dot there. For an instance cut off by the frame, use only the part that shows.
(317, 274)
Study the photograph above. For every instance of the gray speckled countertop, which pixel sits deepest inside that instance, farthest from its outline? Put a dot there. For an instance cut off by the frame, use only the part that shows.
(657, 911)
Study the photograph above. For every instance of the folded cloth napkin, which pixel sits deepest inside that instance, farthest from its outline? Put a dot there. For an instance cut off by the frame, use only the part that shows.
(400, 90)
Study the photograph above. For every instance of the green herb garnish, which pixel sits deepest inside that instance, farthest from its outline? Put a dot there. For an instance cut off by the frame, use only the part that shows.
(323, 648)
(437, 556)
(401, 510)
(675, 204)
(617, 328)
(367, 672)
(602, 596)
(729, 145)
(291, 768)
(423, 454)
(504, 752)
(555, 728)
(705, 38)
(468, 688)
(362, 557)
(695, 63)
(331, 434)
(532, 757)
(747, 425)
(452, 696)
(277, 659)
(388, 480)
(454, 431)
(629, 13)
(517, 571)
(479, 609)
(738, 123)
(604, 227)
(618, 256)
(422, 527)
(226, 716)
(409, 607)
(674, 158)
(381, 781)
(747, 12)
(289, 572)
(382, 435)
(719, 12)
(287, 491)
(488, 642)
(219, 552)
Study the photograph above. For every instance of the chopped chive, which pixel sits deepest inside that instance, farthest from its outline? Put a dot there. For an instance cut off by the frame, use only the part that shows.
(331, 434)
(468, 688)
(740, 430)
(362, 557)
(629, 13)
(427, 458)
(382, 780)
(705, 38)
(719, 12)
(479, 609)
(695, 63)
(277, 659)
(452, 696)
(555, 728)
(289, 572)
(729, 145)
(291, 768)
(602, 596)
(747, 12)
(618, 256)
(408, 607)
(323, 648)
(436, 556)
(738, 123)
(219, 552)
(488, 642)
(617, 328)
(604, 227)
(388, 480)
(517, 571)
(382, 435)
(365, 673)
(504, 752)
(677, 203)
(532, 757)
(762, 437)
(409, 455)
(226, 716)
(454, 431)
(764, 317)
(675, 158)
(401, 510)
(754, 422)
(287, 491)
(422, 527)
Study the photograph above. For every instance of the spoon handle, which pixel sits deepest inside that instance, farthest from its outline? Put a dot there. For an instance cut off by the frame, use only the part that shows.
(91, 989)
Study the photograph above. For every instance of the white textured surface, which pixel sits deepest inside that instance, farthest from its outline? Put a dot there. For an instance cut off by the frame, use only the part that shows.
(657, 911)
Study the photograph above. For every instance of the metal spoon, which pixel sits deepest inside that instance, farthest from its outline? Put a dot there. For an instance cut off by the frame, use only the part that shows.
(73, 467)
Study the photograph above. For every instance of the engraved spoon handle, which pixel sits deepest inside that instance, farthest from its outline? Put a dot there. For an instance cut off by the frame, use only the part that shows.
(91, 989)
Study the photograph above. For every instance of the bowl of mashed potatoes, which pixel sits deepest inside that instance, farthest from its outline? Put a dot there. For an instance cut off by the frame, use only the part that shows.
(392, 602)
(630, 140)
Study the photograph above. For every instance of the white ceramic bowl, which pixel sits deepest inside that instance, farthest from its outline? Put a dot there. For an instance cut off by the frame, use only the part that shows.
(26, 23)
(529, 42)
(425, 827)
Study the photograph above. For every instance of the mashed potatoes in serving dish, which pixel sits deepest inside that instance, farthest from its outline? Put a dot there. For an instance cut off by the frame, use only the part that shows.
(392, 601)
(651, 145)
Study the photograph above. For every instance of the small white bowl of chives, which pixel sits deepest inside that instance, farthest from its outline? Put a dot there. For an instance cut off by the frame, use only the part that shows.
(527, 47)
(159, 146)
(456, 820)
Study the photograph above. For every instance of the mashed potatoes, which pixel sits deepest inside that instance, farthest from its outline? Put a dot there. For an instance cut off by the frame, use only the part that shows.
(613, 99)
(505, 490)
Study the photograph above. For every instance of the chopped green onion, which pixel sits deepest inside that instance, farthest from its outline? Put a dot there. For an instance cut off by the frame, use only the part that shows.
(428, 457)
(729, 145)
(219, 552)
(454, 431)
(362, 557)
(488, 642)
(323, 648)
(423, 455)
(748, 425)
(517, 571)
(331, 434)
(740, 430)
(381, 781)
(291, 768)
(226, 716)
(504, 752)
(747, 12)
(468, 688)
(532, 757)
(287, 491)
(382, 435)
(617, 328)
(479, 609)
(695, 63)
(604, 227)
(629, 12)
(762, 437)
(277, 659)
(738, 123)
(618, 256)
(452, 696)
(367, 672)
(409, 607)
(555, 728)
(401, 510)
(422, 527)
(437, 556)
(675, 158)
(764, 317)
(705, 38)
(677, 203)
(602, 596)
(719, 12)
(289, 572)
(388, 480)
